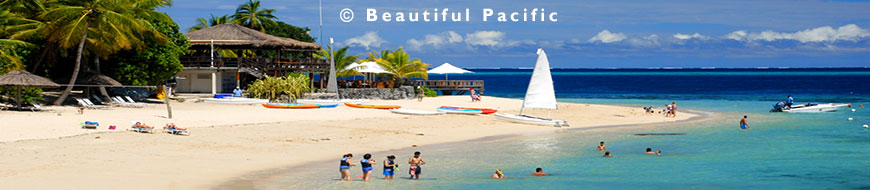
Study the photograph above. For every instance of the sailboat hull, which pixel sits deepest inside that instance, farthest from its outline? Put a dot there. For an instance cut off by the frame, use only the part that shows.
(531, 120)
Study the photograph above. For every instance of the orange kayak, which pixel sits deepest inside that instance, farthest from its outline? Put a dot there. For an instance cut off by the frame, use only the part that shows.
(291, 106)
(484, 110)
(372, 106)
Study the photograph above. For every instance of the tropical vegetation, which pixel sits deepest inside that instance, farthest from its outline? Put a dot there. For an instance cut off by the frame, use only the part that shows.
(342, 61)
(294, 86)
(399, 64)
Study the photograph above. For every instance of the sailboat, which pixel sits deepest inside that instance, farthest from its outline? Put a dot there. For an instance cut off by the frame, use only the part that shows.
(539, 95)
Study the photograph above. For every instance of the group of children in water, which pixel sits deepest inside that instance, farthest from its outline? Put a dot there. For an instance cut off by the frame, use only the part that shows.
(390, 166)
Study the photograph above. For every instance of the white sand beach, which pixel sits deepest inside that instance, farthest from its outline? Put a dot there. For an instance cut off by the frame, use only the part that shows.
(48, 150)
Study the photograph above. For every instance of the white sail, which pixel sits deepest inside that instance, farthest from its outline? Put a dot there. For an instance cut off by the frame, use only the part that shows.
(540, 93)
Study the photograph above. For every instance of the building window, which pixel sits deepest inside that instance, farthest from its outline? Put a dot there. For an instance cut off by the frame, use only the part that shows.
(203, 76)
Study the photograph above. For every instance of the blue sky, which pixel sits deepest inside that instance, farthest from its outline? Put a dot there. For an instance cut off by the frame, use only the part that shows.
(592, 34)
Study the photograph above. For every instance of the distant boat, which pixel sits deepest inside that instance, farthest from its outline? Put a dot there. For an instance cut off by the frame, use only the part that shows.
(540, 94)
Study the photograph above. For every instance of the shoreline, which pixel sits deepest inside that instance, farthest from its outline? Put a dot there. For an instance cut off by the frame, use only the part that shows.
(229, 141)
(251, 179)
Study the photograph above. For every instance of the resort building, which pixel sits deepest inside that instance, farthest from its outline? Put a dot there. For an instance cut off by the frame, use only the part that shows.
(221, 58)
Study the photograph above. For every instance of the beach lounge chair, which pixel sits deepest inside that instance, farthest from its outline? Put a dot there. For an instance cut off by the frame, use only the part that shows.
(120, 102)
(176, 131)
(37, 107)
(89, 104)
(139, 128)
(130, 100)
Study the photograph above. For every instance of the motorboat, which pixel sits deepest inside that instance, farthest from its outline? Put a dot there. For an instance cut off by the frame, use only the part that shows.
(807, 108)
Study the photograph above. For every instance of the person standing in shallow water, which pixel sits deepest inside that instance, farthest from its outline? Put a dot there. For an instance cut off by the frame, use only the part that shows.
(389, 167)
(674, 109)
(743, 123)
(601, 147)
(366, 164)
(344, 167)
(415, 163)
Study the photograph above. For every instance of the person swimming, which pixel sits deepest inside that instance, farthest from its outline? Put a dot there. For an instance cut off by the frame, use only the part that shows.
(649, 151)
(539, 172)
(743, 123)
(366, 164)
(498, 174)
(658, 152)
(390, 167)
(602, 147)
(344, 167)
(607, 154)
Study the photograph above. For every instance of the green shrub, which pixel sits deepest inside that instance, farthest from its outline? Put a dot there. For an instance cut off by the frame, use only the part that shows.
(28, 94)
(272, 87)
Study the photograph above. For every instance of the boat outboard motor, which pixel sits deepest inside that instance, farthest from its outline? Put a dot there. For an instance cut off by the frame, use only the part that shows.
(778, 107)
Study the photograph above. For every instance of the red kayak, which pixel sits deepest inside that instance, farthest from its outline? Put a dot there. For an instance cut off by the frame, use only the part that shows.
(484, 110)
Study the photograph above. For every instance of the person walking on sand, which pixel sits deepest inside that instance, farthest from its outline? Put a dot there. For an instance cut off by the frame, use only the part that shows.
(415, 163)
(474, 97)
(601, 147)
(389, 167)
(344, 167)
(420, 93)
(743, 123)
(366, 164)
(673, 109)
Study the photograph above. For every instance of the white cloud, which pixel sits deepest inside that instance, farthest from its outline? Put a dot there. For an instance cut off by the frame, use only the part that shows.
(606, 37)
(367, 40)
(436, 40)
(850, 32)
(485, 38)
(649, 41)
(687, 36)
(736, 35)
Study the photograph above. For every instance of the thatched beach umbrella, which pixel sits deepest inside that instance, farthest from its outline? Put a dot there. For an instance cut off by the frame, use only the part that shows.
(22, 78)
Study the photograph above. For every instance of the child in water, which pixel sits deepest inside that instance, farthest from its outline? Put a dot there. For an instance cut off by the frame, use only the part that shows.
(389, 167)
(601, 147)
(344, 167)
(366, 164)
(607, 154)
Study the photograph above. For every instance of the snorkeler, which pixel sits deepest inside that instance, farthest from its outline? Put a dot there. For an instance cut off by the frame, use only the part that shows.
(366, 164)
(498, 174)
(601, 147)
(743, 123)
(389, 167)
(415, 163)
(344, 167)
(539, 172)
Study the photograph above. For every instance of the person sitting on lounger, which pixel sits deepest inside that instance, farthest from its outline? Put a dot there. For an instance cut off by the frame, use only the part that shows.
(142, 126)
(171, 126)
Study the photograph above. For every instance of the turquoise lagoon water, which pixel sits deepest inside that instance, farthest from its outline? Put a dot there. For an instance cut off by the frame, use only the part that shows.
(781, 151)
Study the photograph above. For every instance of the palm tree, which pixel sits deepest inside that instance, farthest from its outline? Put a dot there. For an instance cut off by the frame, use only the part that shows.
(8, 59)
(400, 66)
(105, 26)
(250, 15)
(342, 60)
(214, 20)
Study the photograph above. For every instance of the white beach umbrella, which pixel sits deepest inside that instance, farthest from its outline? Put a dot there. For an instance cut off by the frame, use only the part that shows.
(370, 67)
(447, 68)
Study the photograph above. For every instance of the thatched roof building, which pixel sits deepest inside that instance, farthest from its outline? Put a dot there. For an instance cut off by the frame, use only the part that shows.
(232, 36)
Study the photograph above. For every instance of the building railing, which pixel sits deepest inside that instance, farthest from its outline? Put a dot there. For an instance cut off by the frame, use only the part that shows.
(265, 64)
(451, 85)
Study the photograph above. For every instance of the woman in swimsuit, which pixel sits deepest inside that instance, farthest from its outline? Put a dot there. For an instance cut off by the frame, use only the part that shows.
(390, 167)
(344, 167)
(366, 164)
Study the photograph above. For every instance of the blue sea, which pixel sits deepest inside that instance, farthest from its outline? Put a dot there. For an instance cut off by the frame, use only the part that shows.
(780, 151)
